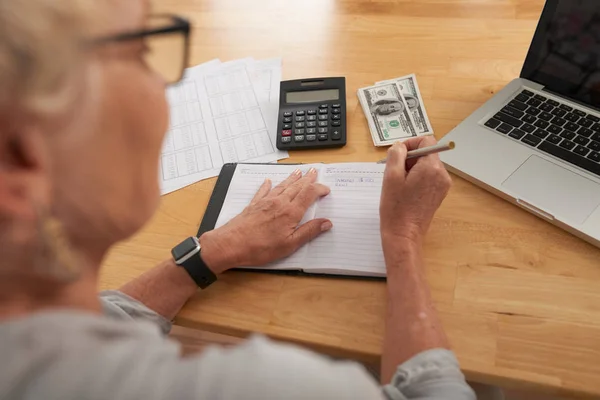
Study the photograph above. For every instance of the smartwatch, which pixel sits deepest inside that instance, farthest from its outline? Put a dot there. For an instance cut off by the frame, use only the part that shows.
(187, 255)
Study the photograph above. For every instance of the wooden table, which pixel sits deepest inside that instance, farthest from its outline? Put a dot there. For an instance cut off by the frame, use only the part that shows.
(519, 298)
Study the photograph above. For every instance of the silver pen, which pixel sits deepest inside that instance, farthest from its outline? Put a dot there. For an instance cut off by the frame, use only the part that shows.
(425, 151)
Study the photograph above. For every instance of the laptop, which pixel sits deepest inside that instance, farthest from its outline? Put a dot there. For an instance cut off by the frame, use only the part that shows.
(536, 143)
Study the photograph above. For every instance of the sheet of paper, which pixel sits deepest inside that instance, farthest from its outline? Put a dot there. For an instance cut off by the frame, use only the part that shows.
(354, 242)
(244, 185)
(266, 79)
(188, 154)
(217, 117)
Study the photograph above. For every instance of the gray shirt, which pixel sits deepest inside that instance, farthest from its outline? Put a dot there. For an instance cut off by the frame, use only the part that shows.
(124, 355)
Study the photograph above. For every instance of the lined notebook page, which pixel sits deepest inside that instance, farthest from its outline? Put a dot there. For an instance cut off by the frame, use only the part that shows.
(353, 246)
(246, 180)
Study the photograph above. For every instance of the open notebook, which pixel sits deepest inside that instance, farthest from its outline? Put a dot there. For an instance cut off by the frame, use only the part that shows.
(352, 247)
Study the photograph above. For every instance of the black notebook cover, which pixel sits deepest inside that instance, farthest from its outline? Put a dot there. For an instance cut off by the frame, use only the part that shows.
(213, 209)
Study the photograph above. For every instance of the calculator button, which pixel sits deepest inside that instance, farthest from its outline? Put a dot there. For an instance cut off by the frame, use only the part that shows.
(336, 111)
(336, 116)
(311, 124)
(323, 136)
(322, 130)
(311, 118)
(336, 134)
(324, 106)
(323, 117)
(299, 138)
(310, 131)
(299, 113)
(336, 123)
(287, 120)
(311, 112)
(311, 138)
(299, 131)
(323, 111)
(299, 124)
(299, 119)
(286, 139)
(336, 105)
(287, 126)
(287, 114)
(323, 123)
(286, 132)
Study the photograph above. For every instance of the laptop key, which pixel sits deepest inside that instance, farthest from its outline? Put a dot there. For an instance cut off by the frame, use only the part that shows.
(554, 139)
(534, 102)
(508, 119)
(552, 102)
(541, 133)
(595, 146)
(594, 156)
(559, 112)
(580, 113)
(585, 122)
(571, 126)
(531, 140)
(568, 135)
(546, 116)
(581, 140)
(587, 132)
(527, 93)
(517, 134)
(554, 129)
(533, 111)
(567, 144)
(519, 105)
(596, 127)
(528, 128)
(513, 112)
(540, 123)
(559, 121)
(492, 123)
(559, 152)
(571, 117)
(596, 137)
(522, 97)
(582, 151)
(539, 97)
(546, 107)
(530, 119)
(593, 118)
(566, 107)
(504, 128)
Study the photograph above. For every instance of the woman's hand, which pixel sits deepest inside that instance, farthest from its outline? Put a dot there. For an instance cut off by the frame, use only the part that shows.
(412, 192)
(268, 229)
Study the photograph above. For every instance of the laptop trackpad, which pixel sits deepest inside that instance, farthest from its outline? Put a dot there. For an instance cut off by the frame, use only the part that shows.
(566, 195)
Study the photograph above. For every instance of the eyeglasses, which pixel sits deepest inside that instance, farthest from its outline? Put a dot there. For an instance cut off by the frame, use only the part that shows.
(167, 39)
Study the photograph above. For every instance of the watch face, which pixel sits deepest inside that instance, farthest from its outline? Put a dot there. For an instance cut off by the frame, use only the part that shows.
(184, 248)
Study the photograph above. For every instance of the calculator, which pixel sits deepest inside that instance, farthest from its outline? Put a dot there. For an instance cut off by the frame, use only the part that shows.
(312, 114)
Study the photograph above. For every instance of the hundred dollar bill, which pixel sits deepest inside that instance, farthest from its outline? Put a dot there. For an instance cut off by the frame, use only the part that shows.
(387, 113)
(410, 90)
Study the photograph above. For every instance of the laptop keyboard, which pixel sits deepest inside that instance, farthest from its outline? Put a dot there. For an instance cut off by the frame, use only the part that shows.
(552, 127)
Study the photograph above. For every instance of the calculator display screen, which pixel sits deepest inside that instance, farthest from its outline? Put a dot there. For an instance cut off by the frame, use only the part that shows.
(312, 96)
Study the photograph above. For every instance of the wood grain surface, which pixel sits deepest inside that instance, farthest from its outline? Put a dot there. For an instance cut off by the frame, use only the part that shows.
(519, 298)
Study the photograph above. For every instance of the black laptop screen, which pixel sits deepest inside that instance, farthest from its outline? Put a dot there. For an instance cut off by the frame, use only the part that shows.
(565, 52)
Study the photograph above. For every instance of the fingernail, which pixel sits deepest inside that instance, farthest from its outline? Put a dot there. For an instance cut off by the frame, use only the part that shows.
(325, 226)
(267, 181)
(297, 172)
(312, 171)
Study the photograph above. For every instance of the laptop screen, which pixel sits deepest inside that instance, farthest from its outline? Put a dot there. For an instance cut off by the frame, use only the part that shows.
(565, 52)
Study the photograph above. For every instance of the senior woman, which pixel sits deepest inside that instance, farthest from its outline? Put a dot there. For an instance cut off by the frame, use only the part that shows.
(82, 118)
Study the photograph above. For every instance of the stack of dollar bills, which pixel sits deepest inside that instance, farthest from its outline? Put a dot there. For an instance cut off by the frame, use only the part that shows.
(395, 111)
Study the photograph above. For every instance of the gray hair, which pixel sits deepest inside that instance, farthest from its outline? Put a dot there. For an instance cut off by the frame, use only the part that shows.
(40, 50)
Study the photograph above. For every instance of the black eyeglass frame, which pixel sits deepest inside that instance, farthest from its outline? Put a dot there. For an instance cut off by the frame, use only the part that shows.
(179, 25)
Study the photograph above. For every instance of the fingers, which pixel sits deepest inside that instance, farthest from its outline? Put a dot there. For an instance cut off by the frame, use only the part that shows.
(395, 166)
(418, 143)
(310, 230)
(291, 191)
(295, 176)
(263, 190)
(309, 194)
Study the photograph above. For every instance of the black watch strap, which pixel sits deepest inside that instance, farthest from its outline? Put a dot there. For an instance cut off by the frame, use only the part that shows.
(199, 271)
